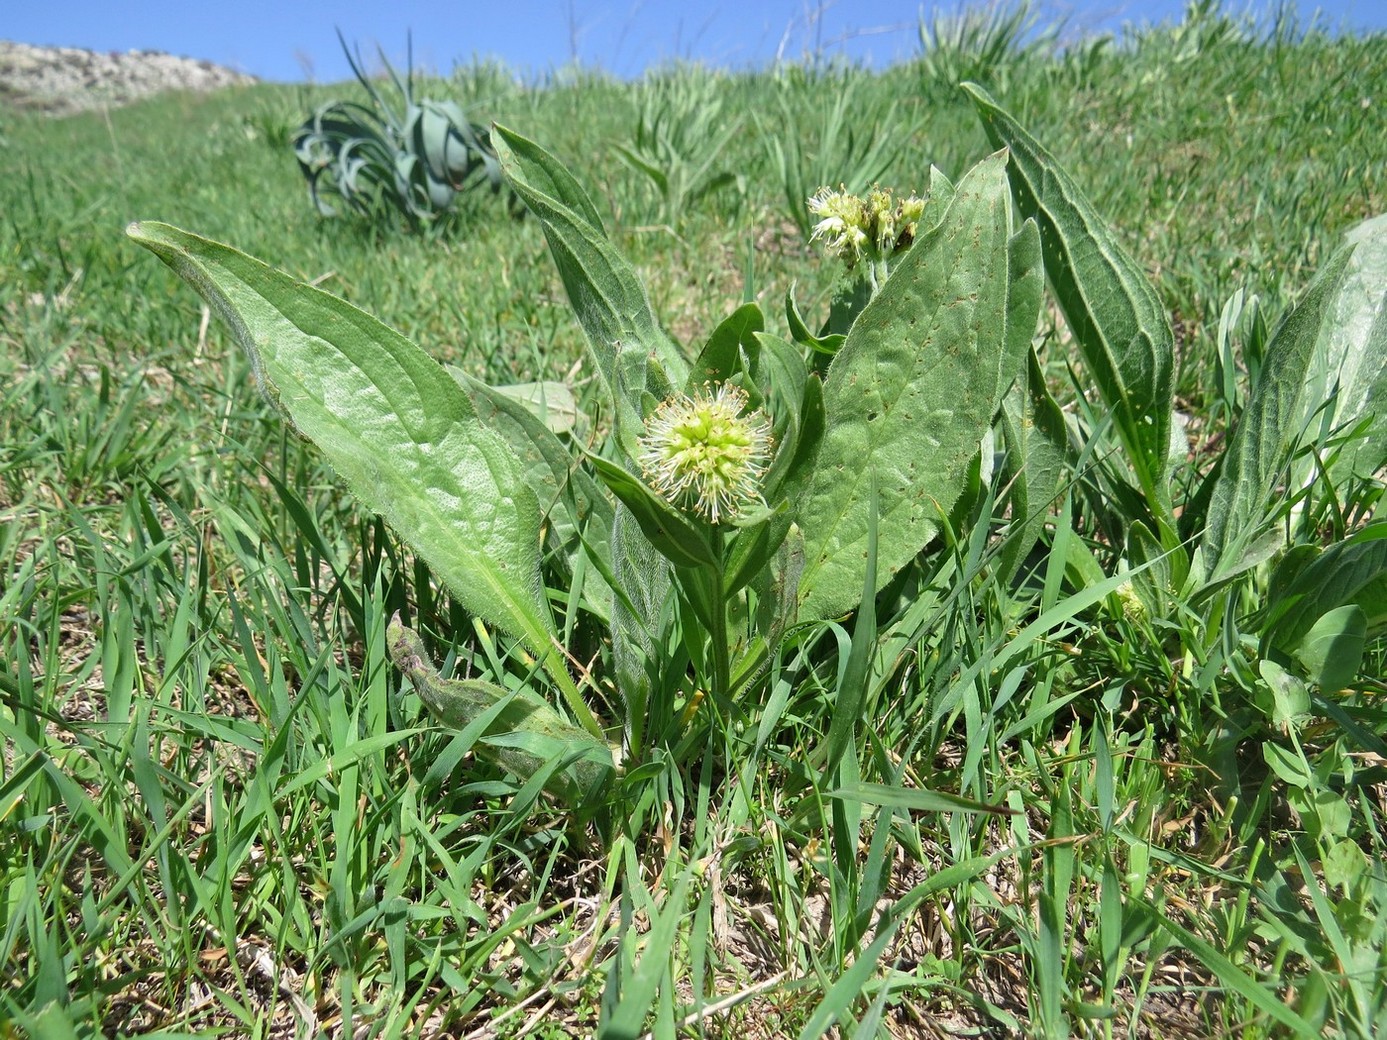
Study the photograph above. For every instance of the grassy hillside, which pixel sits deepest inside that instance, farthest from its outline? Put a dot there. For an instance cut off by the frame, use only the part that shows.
(222, 809)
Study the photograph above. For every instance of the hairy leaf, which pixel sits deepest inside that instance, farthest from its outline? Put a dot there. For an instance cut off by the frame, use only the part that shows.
(521, 733)
(1326, 367)
(643, 577)
(570, 500)
(1354, 359)
(719, 359)
(911, 394)
(1036, 439)
(632, 353)
(393, 424)
(1116, 317)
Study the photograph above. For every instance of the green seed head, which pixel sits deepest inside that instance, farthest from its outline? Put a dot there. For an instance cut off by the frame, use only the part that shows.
(703, 455)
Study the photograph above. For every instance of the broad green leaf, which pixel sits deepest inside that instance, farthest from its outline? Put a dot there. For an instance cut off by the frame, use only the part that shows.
(800, 333)
(1270, 427)
(521, 733)
(1332, 650)
(1110, 306)
(718, 361)
(1351, 362)
(393, 424)
(1025, 294)
(777, 594)
(1325, 813)
(1344, 864)
(544, 175)
(855, 677)
(941, 193)
(1326, 367)
(573, 504)
(1035, 454)
(1353, 571)
(551, 403)
(795, 399)
(1290, 766)
(753, 548)
(632, 353)
(677, 538)
(1290, 700)
(911, 395)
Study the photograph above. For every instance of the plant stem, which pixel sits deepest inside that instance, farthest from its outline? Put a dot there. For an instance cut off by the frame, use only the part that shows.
(877, 272)
(722, 667)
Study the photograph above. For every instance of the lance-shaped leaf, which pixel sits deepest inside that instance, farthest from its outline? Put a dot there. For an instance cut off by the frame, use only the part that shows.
(515, 729)
(796, 399)
(678, 538)
(632, 353)
(722, 355)
(1111, 307)
(912, 392)
(394, 425)
(1033, 430)
(1353, 361)
(642, 577)
(1326, 367)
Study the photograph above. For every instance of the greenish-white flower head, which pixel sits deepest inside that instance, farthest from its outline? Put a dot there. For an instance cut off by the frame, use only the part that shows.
(881, 220)
(912, 208)
(702, 454)
(876, 227)
(842, 223)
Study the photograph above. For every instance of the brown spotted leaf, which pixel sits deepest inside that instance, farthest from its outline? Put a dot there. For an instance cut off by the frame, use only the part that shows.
(914, 389)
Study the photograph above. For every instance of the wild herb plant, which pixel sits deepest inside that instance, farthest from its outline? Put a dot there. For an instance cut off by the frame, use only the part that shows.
(1314, 412)
(748, 495)
(379, 160)
(712, 544)
(681, 134)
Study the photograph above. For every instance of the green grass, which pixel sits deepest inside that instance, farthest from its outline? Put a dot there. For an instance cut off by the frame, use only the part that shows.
(220, 812)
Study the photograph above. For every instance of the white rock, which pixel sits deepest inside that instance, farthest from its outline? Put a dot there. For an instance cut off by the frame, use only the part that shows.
(61, 80)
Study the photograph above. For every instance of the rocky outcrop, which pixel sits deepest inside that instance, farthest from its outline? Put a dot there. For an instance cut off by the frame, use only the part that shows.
(61, 80)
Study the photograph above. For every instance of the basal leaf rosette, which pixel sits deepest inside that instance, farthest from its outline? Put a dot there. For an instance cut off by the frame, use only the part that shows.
(703, 455)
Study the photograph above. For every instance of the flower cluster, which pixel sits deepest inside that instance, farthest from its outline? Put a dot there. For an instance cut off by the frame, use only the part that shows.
(702, 454)
(853, 228)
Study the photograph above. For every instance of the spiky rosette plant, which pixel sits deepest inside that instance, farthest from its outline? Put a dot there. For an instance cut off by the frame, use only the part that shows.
(377, 160)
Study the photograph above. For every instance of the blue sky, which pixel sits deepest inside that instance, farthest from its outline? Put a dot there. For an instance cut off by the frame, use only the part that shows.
(295, 39)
